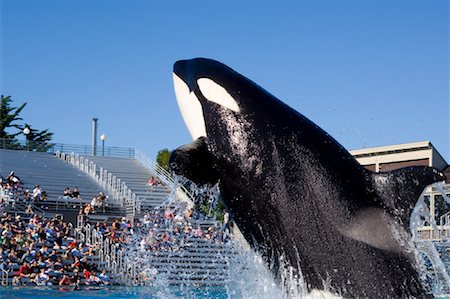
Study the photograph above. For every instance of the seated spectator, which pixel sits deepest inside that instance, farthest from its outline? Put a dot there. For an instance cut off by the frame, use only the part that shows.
(27, 196)
(198, 232)
(96, 202)
(44, 195)
(65, 280)
(42, 279)
(77, 251)
(151, 181)
(124, 224)
(24, 271)
(104, 277)
(76, 193)
(86, 273)
(27, 257)
(93, 279)
(13, 180)
(88, 209)
(67, 193)
(37, 193)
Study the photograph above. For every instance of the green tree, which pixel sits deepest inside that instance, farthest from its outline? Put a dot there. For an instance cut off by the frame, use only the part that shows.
(38, 140)
(162, 158)
(8, 117)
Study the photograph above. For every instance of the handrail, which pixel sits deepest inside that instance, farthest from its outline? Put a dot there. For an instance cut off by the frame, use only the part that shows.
(4, 276)
(52, 148)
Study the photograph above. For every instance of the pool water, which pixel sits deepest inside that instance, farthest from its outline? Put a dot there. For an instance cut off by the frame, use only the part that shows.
(112, 292)
(121, 293)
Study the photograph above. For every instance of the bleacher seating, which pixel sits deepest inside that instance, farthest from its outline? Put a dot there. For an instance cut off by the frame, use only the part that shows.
(204, 262)
(53, 175)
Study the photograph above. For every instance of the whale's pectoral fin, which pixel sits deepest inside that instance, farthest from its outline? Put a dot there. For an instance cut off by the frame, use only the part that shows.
(195, 162)
(400, 189)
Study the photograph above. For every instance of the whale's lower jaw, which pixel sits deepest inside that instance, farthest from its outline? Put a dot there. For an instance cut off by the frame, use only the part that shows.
(193, 162)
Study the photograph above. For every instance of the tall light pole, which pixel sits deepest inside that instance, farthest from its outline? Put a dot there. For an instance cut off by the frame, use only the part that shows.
(94, 136)
(103, 138)
(26, 131)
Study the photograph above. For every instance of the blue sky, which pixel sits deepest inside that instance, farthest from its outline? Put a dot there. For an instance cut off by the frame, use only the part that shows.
(371, 73)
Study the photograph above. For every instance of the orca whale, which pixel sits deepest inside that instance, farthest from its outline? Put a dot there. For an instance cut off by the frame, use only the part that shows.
(296, 194)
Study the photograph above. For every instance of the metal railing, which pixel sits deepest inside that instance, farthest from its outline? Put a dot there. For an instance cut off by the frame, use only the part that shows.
(53, 148)
(4, 275)
(114, 257)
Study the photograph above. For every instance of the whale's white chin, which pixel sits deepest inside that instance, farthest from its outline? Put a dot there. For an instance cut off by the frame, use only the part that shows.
(190, 108)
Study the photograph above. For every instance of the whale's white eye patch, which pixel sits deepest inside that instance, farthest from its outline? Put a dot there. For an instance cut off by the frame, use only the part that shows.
(213, 92)
(190, 108)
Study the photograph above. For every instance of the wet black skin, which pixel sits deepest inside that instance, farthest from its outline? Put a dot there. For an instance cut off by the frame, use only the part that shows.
(296, 193)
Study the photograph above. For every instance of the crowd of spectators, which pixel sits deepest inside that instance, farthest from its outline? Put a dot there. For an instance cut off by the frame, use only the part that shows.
(41, 251)
(12, 191)
(174, 231)
(45, 252)
(38, 250)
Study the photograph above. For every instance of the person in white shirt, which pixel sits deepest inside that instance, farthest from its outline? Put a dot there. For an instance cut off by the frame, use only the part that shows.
(37, 192)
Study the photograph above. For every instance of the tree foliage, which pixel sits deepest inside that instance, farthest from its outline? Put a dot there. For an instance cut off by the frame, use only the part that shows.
(9, 120)
(38, 140)
(9, 116)
(162, 158)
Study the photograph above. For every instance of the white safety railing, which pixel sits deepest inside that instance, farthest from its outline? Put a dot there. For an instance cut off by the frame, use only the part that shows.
(4, 275)
(108, 252)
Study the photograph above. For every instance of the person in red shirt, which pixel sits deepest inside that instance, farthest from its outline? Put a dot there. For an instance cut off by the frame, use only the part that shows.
(72, 245)
(86, 273)
(65, 280)
(24, 271)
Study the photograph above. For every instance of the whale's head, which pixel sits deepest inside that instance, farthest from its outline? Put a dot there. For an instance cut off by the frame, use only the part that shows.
(219, 107)
(203, 84)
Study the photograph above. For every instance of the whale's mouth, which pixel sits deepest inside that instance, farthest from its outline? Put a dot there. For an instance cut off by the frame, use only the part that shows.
(190, 108)
(194, 162)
